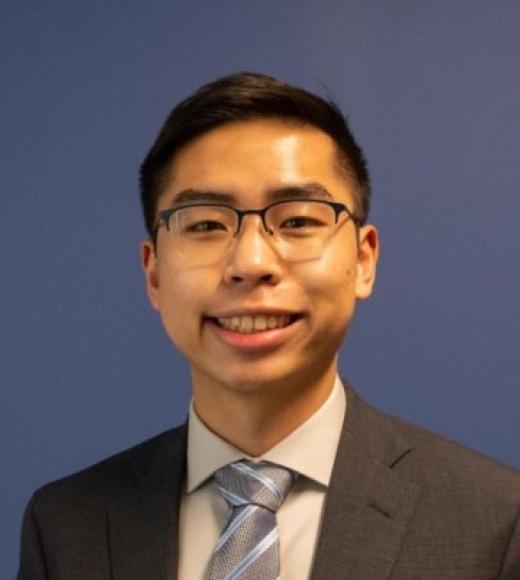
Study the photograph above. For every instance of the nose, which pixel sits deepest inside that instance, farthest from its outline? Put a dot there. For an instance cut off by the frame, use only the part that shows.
(252, 260)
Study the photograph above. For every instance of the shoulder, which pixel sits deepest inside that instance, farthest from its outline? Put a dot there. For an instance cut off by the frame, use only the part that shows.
(456, 480)
(108, 479)
(442, 468)
(464, 507)
(68, 521)
(434, 460)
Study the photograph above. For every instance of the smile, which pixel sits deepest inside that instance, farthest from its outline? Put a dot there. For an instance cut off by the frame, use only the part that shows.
(248, 324)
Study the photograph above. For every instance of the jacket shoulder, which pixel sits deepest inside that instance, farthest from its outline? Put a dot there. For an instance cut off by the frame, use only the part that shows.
(106, 479)
(423, 455)
(434, 457)
(467, 516)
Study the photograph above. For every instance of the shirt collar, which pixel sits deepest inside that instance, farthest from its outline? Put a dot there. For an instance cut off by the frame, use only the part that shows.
(309, 450)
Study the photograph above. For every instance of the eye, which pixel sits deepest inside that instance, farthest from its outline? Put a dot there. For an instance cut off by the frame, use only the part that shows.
(298, 222)
(203, 227)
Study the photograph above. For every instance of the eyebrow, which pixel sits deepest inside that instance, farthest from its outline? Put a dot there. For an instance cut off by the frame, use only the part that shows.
(311, 190)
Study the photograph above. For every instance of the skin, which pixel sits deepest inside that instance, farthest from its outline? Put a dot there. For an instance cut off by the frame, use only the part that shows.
(254, 396)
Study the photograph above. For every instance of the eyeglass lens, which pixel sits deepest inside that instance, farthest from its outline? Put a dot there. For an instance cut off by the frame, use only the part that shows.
(297, 230)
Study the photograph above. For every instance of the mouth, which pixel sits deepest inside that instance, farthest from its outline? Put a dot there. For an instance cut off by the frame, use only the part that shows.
(256, 333)
(251, 324)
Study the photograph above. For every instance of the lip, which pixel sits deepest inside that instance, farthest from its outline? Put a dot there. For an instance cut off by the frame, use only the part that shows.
(255, 342)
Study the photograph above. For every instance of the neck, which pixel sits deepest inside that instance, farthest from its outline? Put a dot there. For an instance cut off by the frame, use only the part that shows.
(256, 418)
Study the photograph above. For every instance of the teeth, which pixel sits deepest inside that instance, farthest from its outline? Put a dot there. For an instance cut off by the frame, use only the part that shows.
(249, 324)
(272, 321)
(260, 322)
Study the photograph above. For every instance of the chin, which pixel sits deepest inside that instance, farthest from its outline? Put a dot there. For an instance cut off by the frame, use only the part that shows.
(257, 377)
(264, 376)
(255, 383)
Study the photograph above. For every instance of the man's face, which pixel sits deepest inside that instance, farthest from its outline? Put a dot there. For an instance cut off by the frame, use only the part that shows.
(248, 161)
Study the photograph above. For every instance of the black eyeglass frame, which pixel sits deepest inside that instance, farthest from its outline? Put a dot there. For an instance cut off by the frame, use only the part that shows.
(165, 214)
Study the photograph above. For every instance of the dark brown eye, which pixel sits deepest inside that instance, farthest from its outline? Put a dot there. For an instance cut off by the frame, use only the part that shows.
(300, 222)
(204, 227)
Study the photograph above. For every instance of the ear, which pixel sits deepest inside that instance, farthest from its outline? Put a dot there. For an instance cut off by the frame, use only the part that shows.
(368, 254)
(151, 272)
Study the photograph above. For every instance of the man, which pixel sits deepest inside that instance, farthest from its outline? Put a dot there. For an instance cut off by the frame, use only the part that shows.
(256, 198)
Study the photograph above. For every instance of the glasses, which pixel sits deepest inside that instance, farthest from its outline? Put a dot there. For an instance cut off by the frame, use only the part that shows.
(297, 230)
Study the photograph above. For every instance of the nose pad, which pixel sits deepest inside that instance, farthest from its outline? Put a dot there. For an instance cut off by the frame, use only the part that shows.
(252, 213)
(260, 229)
(259, 233)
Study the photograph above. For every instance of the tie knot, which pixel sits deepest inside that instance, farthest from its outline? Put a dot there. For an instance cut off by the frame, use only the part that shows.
(247, 483)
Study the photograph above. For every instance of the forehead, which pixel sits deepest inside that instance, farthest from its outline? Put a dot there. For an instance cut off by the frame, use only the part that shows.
(248, 159)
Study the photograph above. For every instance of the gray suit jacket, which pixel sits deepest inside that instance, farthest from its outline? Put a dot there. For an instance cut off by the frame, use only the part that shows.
(403, 504)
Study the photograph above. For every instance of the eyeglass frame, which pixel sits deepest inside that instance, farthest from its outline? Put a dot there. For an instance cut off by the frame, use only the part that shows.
(165, 214)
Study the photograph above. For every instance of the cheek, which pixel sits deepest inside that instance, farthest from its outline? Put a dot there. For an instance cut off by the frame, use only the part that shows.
(331, 299)
(333, 276)
(331, 294)
(181, 296)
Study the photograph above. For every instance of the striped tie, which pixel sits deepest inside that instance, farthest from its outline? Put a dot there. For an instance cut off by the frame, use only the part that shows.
(248, 546)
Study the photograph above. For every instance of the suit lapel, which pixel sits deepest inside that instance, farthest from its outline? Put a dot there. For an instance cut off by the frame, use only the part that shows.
(143, 523)
(369, 506)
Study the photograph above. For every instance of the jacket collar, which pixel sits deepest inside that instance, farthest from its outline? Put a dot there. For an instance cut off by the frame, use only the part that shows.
(143, 523)
(369, 506)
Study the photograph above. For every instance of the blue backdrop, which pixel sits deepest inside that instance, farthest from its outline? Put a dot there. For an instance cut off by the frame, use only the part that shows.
(432, 90)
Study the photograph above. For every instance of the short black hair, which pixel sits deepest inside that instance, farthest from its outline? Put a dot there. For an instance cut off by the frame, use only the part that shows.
(242, 97)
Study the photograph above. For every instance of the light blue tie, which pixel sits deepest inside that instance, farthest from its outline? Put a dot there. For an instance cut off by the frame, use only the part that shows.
(248, 547)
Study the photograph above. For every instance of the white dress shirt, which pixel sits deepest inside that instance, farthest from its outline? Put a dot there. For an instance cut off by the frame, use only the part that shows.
(309, 451)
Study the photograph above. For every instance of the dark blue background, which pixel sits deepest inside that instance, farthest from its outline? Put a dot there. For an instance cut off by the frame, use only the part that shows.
(432, 90)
